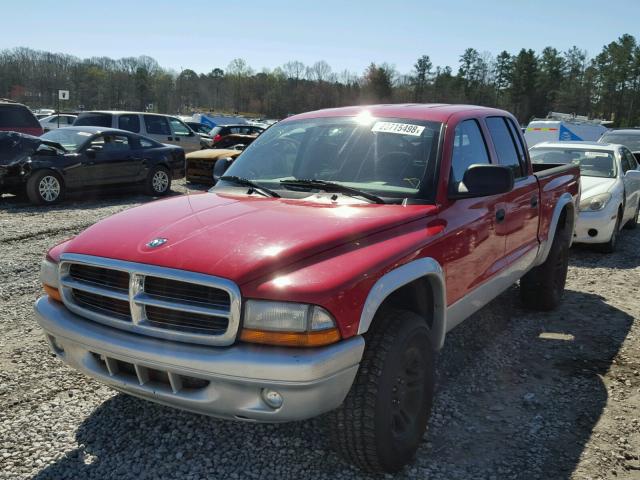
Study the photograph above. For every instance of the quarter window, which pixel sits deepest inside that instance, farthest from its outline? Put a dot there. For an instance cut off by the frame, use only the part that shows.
(503, 142)
(469, 148)
(130, 123)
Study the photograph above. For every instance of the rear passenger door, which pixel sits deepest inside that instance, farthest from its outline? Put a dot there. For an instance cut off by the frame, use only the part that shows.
(157, 128)
(520, 224)
(474, 242)
(114, 160)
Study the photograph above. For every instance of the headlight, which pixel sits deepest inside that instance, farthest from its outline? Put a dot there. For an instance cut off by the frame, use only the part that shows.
(595, 203)
(288, 324)
(49, 278)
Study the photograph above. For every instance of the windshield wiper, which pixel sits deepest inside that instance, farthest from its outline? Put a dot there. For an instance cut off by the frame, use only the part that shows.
(253, 187)
(331, 187)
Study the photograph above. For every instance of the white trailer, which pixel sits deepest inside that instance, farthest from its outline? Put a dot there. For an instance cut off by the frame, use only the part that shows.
(564, 128)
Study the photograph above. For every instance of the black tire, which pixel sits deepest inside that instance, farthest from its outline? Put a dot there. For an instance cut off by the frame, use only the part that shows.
(45, 188)
(542, 287)
(381, 422)
(633, 223)
(158, 182)
(610, 246)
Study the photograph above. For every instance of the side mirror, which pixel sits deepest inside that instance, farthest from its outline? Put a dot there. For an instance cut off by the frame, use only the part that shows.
(633, 174)
(220, 167)
(90, 152)
(484, 181)
(239, 146)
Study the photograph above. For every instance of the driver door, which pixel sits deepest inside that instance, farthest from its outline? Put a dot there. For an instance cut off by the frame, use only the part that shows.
(631, 182)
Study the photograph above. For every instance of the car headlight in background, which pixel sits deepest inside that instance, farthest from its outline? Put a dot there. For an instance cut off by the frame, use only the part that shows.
(50, 279)
(595, 203)
(288, 324)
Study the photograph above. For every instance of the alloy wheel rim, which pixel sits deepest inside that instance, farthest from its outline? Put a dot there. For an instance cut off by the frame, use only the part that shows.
(49, 188)
(160, 181)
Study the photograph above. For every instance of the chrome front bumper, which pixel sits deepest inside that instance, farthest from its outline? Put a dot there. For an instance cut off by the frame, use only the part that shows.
(223, 382)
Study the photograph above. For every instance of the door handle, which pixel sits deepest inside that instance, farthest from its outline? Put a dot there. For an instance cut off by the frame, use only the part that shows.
(534, 201)
(170, 139)
(500, 214)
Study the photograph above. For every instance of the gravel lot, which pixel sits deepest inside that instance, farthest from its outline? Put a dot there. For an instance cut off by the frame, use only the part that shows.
(521, 395)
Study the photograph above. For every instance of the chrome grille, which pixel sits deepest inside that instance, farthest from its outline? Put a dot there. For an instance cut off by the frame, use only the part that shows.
(156, 301)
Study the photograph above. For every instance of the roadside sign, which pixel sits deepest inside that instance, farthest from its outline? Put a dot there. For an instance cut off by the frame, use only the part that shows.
(63, 94)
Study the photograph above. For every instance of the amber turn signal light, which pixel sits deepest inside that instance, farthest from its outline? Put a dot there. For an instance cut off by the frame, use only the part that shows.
(52, 292)
(291, 339)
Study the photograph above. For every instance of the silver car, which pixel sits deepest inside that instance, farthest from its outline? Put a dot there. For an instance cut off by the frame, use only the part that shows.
(161, 128)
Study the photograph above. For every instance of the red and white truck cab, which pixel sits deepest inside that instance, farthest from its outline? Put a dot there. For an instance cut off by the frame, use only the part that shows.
(321, 274)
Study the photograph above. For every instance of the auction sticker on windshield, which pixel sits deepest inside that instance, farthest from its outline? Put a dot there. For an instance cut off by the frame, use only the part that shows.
(401, 128)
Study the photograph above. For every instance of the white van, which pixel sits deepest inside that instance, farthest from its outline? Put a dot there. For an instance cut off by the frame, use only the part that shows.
(161, 128)
(560, 127)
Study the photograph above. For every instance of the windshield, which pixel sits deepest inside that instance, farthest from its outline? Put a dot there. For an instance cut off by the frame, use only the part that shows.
(629, 140)
(385, 156)
(593, 163)
(71, 140)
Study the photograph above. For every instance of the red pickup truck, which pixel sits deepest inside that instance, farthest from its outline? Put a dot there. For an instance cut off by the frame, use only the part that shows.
(321, 274)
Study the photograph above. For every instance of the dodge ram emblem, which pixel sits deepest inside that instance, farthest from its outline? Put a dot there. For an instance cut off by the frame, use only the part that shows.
(156, 242)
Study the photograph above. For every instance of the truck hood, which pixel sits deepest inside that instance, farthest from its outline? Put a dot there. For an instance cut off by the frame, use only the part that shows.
(236, 237)
(595, 185)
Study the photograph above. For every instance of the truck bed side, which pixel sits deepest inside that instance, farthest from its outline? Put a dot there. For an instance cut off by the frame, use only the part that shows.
(554, 180)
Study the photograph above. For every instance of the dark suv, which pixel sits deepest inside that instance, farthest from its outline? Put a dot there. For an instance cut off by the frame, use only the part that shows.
(221, 131)
(16, 117)
(629, 137)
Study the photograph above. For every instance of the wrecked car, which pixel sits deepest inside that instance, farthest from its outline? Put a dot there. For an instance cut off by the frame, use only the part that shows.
(80, 158)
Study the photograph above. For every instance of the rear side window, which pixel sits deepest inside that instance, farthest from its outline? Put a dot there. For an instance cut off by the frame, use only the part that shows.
(156, 125)
(129, 122)
(469, 148)
(17, 116)
(93, 120)
(504, 143)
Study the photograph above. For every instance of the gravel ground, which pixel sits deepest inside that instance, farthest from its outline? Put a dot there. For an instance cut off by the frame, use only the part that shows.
(521, 395)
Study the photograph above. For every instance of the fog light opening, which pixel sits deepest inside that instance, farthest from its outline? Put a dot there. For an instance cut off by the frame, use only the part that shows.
(272, 398)
(593, 232)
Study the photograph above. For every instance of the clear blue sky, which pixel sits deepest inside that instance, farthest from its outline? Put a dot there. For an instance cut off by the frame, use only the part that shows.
(348, 34)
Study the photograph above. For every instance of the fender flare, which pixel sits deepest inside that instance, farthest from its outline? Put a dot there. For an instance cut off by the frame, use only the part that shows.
(399, 277)
(564, 200)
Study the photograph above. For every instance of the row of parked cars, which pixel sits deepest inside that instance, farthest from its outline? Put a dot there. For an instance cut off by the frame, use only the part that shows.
(102, 149)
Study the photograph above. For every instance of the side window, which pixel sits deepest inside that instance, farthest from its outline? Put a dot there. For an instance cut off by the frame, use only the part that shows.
(504, 144)
(110, 143)
(156, 125)
(146, 143)
(179, 128)
(234, 130)
(631, 160)
(469, 148)
(129, 122)
(624, 161)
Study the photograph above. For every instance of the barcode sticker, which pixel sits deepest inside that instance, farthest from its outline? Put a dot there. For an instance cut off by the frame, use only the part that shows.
(400, 128)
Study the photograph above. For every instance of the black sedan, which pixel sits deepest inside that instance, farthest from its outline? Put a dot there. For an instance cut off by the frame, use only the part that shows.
(79, 158)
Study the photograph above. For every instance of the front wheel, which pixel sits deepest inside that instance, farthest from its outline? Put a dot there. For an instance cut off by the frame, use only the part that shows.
(158, 182)
(380, 424)
(610, 246)
(45, 188)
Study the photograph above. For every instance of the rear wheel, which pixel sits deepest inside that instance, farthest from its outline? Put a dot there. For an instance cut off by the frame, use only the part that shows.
(380, 424)
(45, 188)
(542, 287)
(158, 182)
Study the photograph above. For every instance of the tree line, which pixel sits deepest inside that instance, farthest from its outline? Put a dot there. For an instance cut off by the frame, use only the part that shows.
(528, 83)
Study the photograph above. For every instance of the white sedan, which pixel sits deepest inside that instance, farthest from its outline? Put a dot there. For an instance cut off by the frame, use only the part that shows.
(51, 122)
(610, 187)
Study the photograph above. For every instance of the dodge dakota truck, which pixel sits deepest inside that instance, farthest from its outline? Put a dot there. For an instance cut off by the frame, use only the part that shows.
(320, 275)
